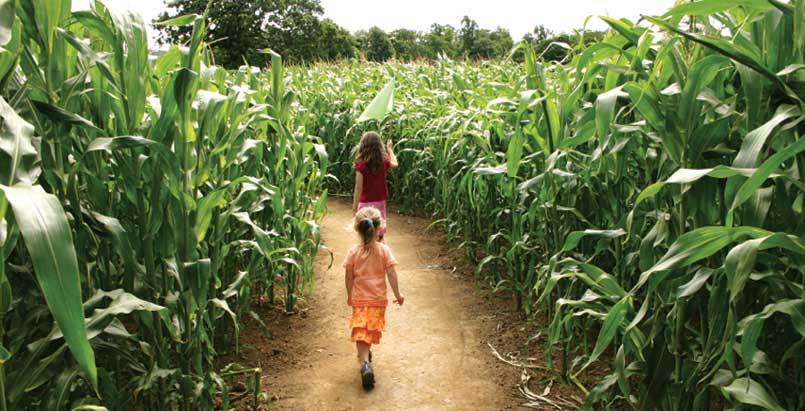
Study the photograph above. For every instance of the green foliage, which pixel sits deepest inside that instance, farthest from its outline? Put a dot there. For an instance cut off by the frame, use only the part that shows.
(555, 47)
(441, 40)
(407, 45)
(239, 29)
(336, 43)
(645, 195)
(477, 43)
(377, 45)
(143, 203)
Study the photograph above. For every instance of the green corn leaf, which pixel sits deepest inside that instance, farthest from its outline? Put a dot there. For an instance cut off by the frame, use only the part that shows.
(152, 377)
(695, 284)
(7, 14)
(19, 157)
(381, 105)
(621, 26)
(118, 143)
(224, 306)
(738, 265)
(649, 192)
(60, 115)
(646, 102)
(514, 153)
(120, 239)
(764, 171)
(790, 69)
(688, 176)
(184, 20)
(605, 111)
(95, 24)
(65, 384)
(696, 245)
(751, 326)
(602, 281)
(204, 212)
(733, 51)
(49, 241)
(750, 392)
(4, 355)
(699, 76)
(9, 51)
(573, 238)
(754, 141)
(119, 303)
(123, 303)
(707, 7)
(613, 321)
(488, 171)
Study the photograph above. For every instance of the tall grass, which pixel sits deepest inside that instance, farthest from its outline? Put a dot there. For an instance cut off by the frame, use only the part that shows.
(144, 201)
(645, 197)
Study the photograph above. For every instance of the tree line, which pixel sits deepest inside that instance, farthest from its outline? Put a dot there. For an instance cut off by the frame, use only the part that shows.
(240, 30)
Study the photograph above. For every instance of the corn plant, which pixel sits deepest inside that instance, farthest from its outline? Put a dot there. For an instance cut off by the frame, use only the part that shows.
(145, 201)
(644, 196)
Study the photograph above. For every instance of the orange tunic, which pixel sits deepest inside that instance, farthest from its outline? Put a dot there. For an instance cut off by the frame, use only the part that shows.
(368, 296)
(369, 274)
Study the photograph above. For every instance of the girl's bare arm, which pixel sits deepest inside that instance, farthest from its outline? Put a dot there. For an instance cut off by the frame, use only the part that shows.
(357, 194)
(391, 273)
(392, 157)
(348, 280)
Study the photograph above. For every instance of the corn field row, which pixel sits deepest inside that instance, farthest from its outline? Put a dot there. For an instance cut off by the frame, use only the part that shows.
(644, 197)
(144, 202)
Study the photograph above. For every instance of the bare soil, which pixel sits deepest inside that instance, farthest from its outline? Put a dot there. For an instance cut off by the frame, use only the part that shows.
(434, 355)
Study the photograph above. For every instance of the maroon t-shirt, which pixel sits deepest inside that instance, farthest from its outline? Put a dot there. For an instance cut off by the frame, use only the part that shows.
(374, 185)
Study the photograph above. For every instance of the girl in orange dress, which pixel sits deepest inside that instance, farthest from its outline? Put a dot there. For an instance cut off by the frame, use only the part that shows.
(367, 266)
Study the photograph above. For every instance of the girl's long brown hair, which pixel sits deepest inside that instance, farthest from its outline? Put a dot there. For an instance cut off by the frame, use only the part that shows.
(370, 150)
(367, 224)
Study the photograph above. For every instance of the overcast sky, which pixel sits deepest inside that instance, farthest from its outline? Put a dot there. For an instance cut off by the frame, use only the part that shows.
(519, 16)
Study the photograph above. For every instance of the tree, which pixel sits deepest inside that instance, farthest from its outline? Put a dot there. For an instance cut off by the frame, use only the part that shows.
(294, 29)
(335, 42)
(540, 34)
(483, 47)
(468, 35)
(501, 41)
(238, 29)
(441, 39)
(406, 44)
(378, 45)
(478, 43)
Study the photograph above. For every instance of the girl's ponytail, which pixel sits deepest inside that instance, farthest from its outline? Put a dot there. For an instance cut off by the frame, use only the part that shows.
(367, 224)
(367, 230)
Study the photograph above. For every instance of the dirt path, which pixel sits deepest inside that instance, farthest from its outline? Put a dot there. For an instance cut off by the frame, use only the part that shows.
(432, 355)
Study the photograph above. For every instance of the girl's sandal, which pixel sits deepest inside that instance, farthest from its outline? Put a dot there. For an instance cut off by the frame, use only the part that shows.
(367, 376)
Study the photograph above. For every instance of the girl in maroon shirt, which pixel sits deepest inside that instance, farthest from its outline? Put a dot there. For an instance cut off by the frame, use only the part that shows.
(371, 164)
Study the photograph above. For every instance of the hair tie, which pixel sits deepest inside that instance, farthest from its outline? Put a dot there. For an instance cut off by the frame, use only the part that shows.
(370, 222)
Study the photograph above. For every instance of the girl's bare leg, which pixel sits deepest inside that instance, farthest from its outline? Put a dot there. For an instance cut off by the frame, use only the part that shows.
(363, 351)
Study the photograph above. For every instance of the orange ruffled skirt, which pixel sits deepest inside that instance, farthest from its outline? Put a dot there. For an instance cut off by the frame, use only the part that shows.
(367, 324)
